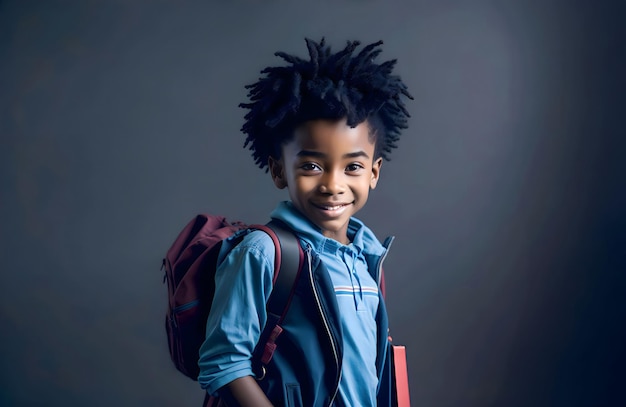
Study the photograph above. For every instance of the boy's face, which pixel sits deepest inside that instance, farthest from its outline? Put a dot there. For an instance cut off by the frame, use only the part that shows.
(329, 169)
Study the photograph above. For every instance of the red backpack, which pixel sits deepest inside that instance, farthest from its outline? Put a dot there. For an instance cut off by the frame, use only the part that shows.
(190, 266)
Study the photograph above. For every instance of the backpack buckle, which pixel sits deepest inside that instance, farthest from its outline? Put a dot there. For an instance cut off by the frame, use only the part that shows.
(263, 374)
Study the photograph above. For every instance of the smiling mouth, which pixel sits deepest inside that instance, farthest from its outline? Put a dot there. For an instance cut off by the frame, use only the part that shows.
(334, 207)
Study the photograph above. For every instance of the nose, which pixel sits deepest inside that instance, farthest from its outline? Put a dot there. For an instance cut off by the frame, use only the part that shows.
(331, 183)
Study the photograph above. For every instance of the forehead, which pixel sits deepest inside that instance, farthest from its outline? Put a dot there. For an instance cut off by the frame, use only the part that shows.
(331, 136)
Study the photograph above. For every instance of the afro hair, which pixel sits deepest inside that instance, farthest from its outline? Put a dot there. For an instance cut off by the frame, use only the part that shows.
(327, 86)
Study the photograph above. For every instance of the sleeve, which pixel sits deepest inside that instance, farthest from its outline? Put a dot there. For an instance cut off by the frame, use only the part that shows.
(243, 282)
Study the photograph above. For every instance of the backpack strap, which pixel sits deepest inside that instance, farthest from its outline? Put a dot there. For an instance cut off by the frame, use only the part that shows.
(292, 258)
(288, 262)
(289, 259)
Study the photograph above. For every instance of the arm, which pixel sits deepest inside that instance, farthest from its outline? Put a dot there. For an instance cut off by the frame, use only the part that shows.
(243, 283)
(244, 392)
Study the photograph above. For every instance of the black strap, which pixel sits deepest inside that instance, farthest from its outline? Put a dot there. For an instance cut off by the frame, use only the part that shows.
(290, 265)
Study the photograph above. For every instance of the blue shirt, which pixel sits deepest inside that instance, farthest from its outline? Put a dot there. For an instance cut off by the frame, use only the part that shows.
(243, 285)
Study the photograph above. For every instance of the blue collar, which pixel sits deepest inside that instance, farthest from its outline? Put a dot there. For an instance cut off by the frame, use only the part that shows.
(363, 239)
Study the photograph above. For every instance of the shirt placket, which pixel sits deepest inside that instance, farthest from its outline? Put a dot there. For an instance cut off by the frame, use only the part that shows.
(349, 260)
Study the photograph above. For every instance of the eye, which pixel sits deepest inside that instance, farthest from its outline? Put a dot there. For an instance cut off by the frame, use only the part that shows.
(310, 167)
(354, 167)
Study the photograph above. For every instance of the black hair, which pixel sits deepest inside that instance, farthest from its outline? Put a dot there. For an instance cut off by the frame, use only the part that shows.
(327, 86)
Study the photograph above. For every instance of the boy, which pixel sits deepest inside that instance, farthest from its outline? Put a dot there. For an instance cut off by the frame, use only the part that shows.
(322, 128)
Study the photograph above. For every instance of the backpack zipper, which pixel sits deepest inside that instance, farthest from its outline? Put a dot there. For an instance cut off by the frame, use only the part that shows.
(186, 306)
(326, 326)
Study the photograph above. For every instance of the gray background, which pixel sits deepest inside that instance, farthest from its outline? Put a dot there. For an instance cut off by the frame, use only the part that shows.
(119, 122)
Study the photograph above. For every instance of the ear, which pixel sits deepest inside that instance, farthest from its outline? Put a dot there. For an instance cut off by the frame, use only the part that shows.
(277, 170)
(376, 172)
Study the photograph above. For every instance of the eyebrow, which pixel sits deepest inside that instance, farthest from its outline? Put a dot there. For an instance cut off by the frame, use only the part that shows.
(308, 153)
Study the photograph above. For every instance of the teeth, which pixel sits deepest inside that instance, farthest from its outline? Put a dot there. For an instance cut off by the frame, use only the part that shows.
(332, 208)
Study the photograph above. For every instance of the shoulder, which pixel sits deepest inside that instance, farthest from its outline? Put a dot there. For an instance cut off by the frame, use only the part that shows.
(257, 239)
(249, 243)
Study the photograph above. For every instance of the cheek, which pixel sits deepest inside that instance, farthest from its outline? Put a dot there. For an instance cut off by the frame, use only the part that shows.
(365, 186)
(306, 184)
